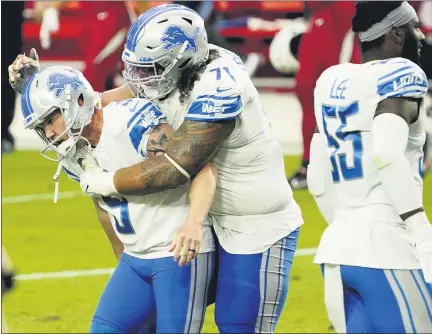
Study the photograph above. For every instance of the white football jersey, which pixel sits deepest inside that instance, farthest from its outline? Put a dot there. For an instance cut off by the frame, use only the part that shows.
(146, 225)
(366, 230)
(253, 205)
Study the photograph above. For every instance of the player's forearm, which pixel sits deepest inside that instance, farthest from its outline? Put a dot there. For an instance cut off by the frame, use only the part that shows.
(105, 222)
(41, 6)
(201, 194)
(188, 150)
(390, 137)
(142, 6)
(116, 94)
(319, 178)
(148, 177)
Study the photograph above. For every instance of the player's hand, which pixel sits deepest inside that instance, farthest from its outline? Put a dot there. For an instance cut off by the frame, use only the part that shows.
(50, 23)
(22, 69)
(420, 232)
(187, 242)
(96, 182)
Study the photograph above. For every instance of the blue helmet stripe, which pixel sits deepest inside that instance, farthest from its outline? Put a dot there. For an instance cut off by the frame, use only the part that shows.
(26, 106)
(145, 18)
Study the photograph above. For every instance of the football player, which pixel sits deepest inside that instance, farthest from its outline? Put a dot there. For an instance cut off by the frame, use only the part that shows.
(365, 174)
(59, 104)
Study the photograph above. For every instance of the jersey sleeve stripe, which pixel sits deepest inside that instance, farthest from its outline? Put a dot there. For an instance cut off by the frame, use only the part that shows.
(208, 110)
(71, 175)
(408, 81)
(147, 120)
(407, 93)
(216, 97)
(138, 112)
(398, 71)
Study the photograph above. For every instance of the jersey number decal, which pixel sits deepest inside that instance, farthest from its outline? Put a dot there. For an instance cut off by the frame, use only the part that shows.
(219, 73)
(123, 226)
(338, 160)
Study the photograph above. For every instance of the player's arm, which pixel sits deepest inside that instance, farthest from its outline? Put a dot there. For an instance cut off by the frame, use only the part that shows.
(142, 6)
(201, 195)
(41, 6)
(116, 94)
(105, 221)
(188, 150)
(390, 137)
(319, 178)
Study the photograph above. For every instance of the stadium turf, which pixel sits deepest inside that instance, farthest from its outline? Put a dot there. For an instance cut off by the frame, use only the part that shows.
(42, 237)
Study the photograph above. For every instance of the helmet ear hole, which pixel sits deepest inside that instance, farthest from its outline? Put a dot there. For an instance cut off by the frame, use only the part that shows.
(184, 64)
(187, 20)
(81, 100)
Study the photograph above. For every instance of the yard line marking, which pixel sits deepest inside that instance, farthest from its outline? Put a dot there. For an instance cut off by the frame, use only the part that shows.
(39, 197)
(65, 274)
(108, 271)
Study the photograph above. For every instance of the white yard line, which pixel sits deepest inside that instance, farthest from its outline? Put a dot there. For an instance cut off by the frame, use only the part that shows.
(108, 271)
(39, 197)
(89, 272)
(65, 274)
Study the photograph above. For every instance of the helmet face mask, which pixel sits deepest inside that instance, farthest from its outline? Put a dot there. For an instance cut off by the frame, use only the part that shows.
(161, 44)
(63, 145)
(148, 79)
(58, 89)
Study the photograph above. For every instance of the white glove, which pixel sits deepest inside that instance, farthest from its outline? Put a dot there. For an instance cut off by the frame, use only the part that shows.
(420, 232)
(50, 24)
(22, 69)
(95, 181)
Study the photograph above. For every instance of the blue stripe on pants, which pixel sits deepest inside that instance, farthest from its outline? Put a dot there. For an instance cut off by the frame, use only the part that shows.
(384, 300)
(259, 281)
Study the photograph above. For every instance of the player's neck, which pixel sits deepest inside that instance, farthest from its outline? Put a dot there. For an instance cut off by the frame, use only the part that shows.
(93, 131)
(375, 54)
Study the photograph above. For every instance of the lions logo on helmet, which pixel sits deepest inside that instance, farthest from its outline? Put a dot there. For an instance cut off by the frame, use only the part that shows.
(57, 82)
(175, 35)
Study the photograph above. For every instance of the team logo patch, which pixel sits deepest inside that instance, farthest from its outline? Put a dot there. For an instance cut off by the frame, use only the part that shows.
(57, 83)
(175, 35)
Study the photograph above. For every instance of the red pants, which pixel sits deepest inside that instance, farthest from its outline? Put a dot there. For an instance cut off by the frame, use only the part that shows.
(320, 48)
(107, 24)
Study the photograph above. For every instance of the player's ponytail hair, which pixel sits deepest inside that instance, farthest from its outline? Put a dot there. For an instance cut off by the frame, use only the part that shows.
(367, 14)
(188, 78)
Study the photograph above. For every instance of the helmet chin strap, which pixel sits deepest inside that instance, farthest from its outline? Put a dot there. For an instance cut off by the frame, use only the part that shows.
(69, 147)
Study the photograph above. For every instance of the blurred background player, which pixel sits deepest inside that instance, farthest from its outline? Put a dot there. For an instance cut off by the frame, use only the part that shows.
(205, 9)
(7, 280)
(328, 41)
(11, 23)
(365, 175)
(106, 25)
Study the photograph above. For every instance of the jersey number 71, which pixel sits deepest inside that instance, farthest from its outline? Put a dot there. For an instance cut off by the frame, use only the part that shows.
(339, 160)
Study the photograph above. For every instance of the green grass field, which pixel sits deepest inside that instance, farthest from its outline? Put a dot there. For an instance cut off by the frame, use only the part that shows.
(41, 236)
